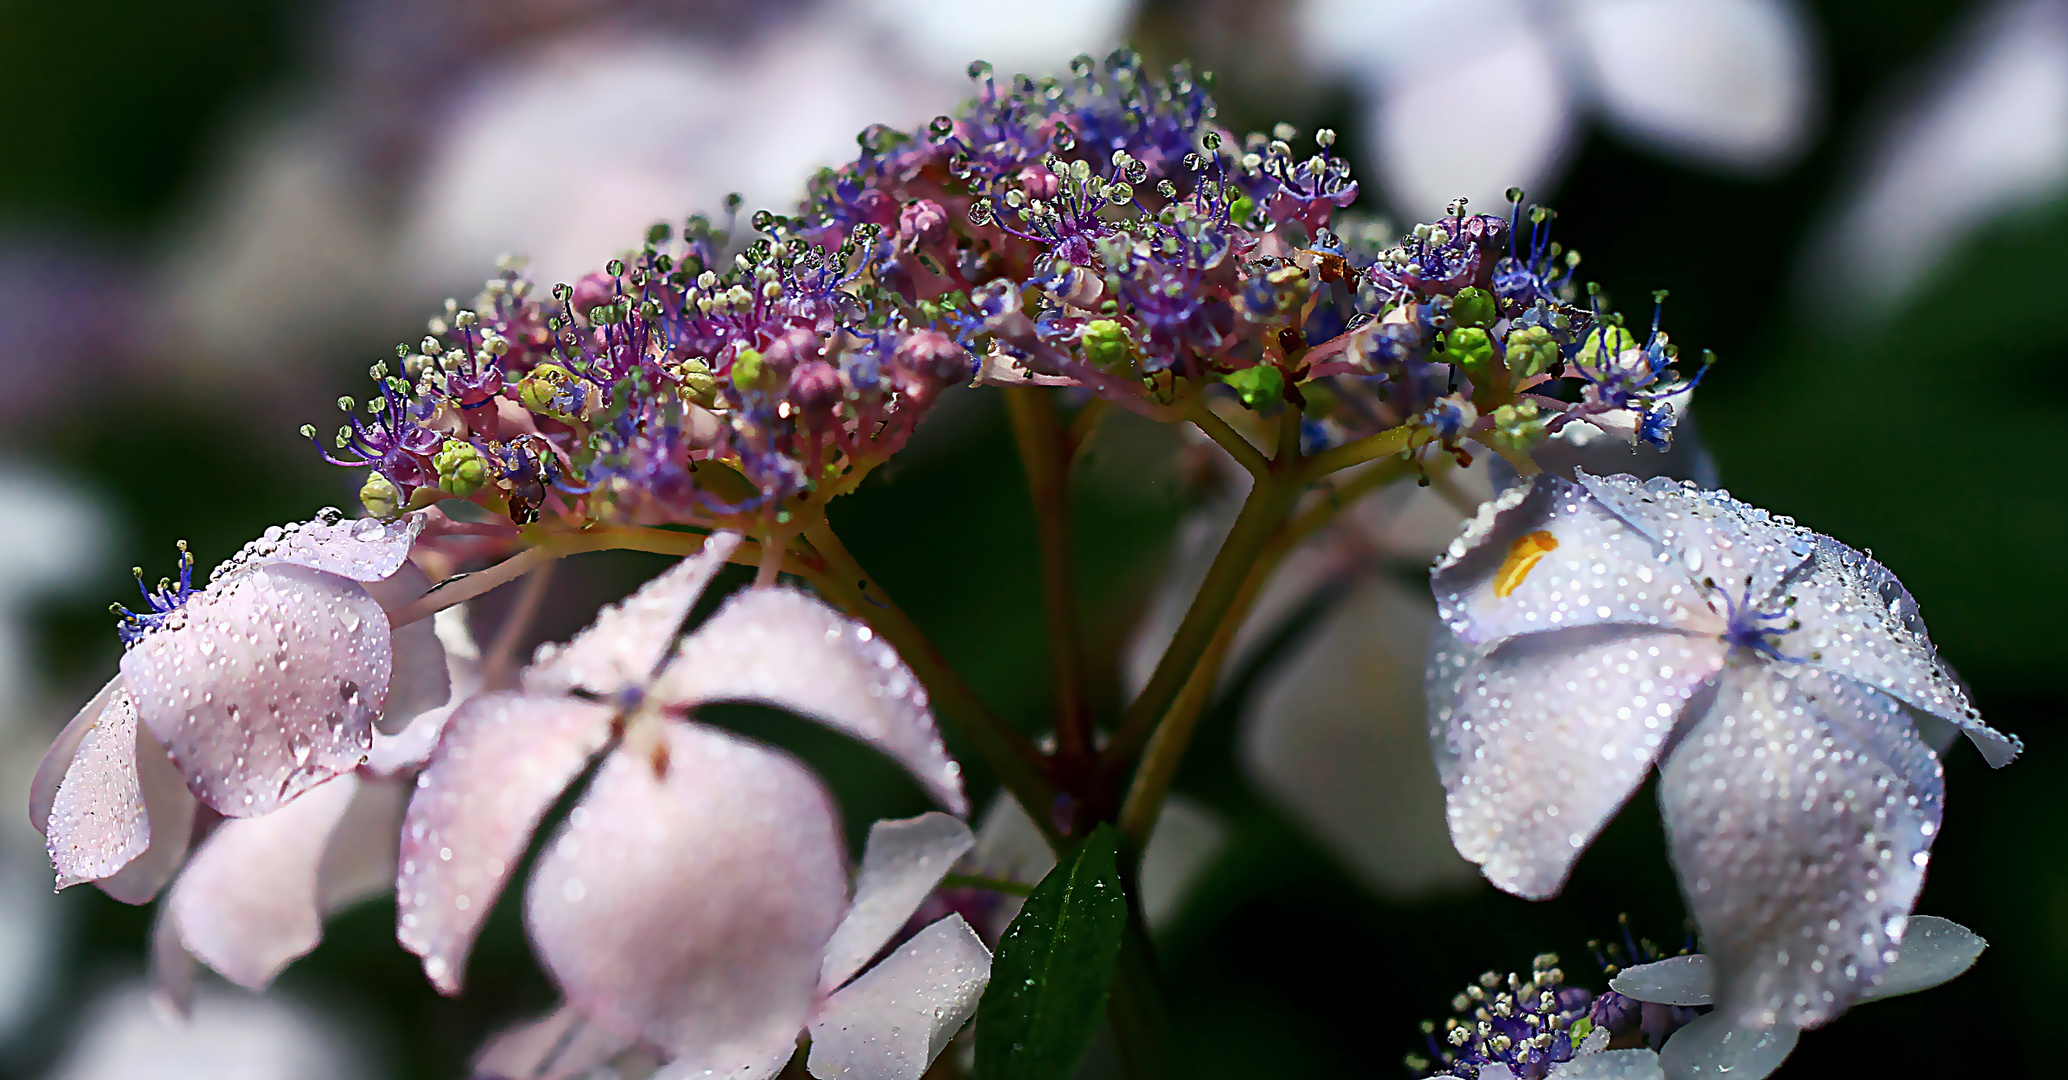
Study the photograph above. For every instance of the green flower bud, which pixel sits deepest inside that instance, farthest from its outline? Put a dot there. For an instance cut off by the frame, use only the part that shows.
(1474, 306)
(1520, 426)
(1107, 345)
(698, 385)
(1531, 352)
(380, 496)
(1258, 386)
(750, 372)
(461, 468)
(1469, 347)
(547, 389)
(1617, 339)
(1240, 210)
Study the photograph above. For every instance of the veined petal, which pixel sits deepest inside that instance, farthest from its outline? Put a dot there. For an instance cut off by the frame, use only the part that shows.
(783, 648)
(1720, 82)
(1714, 1046)
(1736, 552)
(170, 808)
(97, 824)
(891, 1023)
(561, 1045)
(248, 903)
(1934, 951)
(1676, 980)
(689, 898)
(1336, 736)
(57, 761)
(1553, 733)
(1551, 557)
(902, 863)
(502, 762)
(1860, 622)
(264, 685)
(624, 646)
(361, 549)
(1800, 847)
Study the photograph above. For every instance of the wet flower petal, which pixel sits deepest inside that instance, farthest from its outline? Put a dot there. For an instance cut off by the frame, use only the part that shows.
(248, 902)
(1860, 622)
(781, 647)
(264, 685)
(1547, 557)
(504, 760)
(57, 761)
(97, 824)
(893, 1021)
(1610, 1065)
(562, 1045)
(1714, 1048)
(1677, 980)
(689, 898)
(1934, 951)
(170, 807)
(1553, 733)
(1800, 848)
(1336, 738)
(1720, 82)
(1714, 540)
(623, 647)
(902, 863)
(361, 549)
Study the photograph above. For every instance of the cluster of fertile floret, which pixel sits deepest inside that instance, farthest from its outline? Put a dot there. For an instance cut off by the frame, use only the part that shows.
(1097, 231)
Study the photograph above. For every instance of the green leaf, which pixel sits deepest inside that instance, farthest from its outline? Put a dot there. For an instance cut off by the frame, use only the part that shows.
(1054, 967)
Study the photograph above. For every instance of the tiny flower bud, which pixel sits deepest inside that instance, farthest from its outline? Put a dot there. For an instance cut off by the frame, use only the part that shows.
(1258, 387)
(380, 496)
(1106, 344)
(461, 468)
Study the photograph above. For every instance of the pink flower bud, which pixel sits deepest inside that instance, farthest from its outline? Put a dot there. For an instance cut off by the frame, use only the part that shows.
(922, 223)
(815, 385)
(935, 355)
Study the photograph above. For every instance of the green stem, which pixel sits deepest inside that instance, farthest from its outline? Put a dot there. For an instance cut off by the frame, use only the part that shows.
(1270, 499)
(1018, 764)
(1372, 447)
(1046, 456)
(1242, 450)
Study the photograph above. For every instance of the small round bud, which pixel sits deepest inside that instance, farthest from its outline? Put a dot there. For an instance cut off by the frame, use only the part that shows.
(461, 468)
(1258, 387)
(380, 496)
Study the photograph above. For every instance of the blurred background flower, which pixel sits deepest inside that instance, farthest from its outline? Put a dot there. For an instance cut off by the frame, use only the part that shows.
(215, 216)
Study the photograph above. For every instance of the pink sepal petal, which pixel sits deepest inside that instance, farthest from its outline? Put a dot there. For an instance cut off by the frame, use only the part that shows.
(171, 809)
(893, 1021)
(50, 772)
(783, 648)
(902, 863)
(173, 970)
(561, 1045)
(98, 824)
(411, 747)
(422, 680)
(502, 762)
(689, 898)
(362, 549)
(265, 685)
(625, 644)
(249, 903)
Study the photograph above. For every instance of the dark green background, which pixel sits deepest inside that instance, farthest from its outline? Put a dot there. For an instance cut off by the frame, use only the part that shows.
(1929, 438)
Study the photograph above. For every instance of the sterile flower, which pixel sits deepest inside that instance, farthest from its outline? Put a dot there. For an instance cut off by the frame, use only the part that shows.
(689, 899)
(1599, 624)
(1729, 84)
(243, 694)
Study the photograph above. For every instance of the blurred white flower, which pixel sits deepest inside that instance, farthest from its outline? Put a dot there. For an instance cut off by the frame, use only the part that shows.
(1983, 135)
(230, 1036)
(945, 35)
(1474, 96)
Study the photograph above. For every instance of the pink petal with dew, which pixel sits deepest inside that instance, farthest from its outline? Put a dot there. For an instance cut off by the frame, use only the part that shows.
(502, 762)
(421, 680)
(689, 899)
(902, 863)
(264, 685)
(171, 808)
(362, 549)
(97, 823)
(624, 646)
(892, 1023)
(249, 902)
(781, 647)
(57, 761)
(561, 1045)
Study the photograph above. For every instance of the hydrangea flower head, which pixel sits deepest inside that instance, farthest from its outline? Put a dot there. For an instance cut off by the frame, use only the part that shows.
(1597, 627)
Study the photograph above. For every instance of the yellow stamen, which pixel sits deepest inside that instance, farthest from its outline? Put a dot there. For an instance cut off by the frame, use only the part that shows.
(1523, 555)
